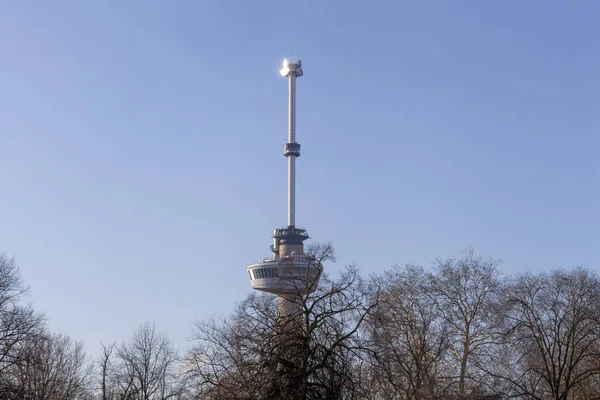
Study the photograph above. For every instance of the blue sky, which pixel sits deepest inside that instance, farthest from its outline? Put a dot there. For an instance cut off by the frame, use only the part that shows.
(141, 145)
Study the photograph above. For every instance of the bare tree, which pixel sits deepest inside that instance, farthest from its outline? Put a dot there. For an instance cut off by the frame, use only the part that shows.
(19, 323)
(249, 355)
(234, 358)
(146, 366)
(105, 366)
(465, 292)
(408, 337)
(52, 367)
(552, 342)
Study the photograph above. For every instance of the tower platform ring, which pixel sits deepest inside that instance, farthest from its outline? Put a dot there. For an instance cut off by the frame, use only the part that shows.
(295, 274)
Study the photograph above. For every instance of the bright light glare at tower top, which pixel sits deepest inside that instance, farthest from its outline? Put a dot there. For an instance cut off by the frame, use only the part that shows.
(286, 69)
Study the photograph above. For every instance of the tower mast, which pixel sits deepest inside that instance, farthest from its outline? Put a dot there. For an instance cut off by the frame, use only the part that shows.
(292, 69)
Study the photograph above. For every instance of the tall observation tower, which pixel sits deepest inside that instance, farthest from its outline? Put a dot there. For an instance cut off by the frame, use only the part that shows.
(289, 273)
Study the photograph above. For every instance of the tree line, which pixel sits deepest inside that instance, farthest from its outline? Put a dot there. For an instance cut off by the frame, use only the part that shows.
(457, 330)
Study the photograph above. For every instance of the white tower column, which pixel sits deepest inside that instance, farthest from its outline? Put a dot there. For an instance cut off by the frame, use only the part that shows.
(292, 139)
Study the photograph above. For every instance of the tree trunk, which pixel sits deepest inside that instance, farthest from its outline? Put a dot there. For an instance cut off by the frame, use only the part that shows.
(463, 366)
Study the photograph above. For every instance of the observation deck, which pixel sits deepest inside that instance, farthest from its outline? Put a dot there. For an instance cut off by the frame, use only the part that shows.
(295, 274)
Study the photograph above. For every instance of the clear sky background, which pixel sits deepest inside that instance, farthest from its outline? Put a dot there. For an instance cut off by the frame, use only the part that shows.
(141, 144)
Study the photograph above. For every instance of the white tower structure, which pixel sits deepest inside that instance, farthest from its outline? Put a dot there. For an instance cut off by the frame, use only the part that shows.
(290, 273)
